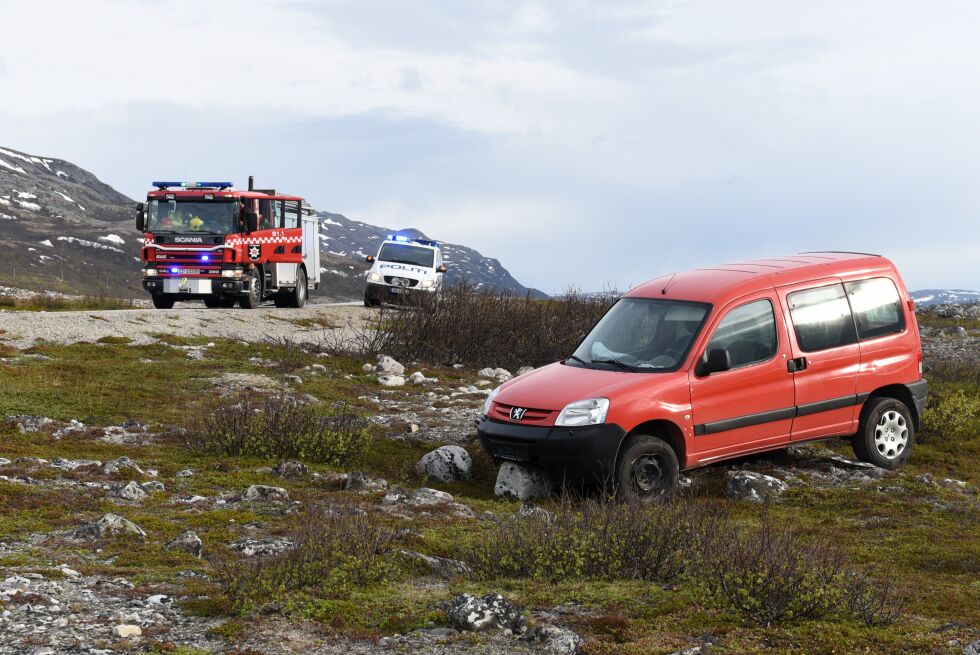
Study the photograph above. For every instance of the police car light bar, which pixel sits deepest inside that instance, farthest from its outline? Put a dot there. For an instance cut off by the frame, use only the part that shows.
(401, 238)
(167, 185)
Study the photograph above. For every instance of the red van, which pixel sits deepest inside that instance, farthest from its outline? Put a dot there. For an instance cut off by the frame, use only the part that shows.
(713, 363)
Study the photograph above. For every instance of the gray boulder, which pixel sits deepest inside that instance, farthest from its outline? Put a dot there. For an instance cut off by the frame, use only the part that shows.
(121, 464)
(131, 491)
(391, 380)
(753, 487)
(520, 482)
(556, 640)
(110, 525)
(388, 366)
(427, 496)
(488, 612)
(446, 464)
(187, 542)
(440, 567)
(972, 648)
(265, 492)
(291, 469)
(261, 547)
(358, 481)
(530, 511)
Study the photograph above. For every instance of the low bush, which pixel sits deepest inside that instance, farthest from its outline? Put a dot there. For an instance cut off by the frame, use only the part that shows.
(480, 328)
(280, 427)
(52, 303)
(600, 539)
(955, 413)
(332, 554)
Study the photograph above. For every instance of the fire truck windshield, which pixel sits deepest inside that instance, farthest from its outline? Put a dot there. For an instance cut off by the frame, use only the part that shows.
(192, 216)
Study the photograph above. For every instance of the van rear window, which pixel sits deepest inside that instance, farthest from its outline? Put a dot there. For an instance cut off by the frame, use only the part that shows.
(822, 318)
(877, 307)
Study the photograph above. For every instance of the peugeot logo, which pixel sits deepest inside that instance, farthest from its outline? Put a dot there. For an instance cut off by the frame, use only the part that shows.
(517, 413)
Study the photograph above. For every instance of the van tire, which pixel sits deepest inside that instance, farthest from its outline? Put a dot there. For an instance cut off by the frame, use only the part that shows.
(646, 470)
(371, 302)
(886, 433)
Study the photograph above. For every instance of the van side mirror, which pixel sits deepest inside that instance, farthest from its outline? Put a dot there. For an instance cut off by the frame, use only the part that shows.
(441, 268)
(140, 217)
(251, 221)
(369, 259)
(719, 359)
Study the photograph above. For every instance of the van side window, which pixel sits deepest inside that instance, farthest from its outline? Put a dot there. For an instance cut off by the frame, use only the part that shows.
(877, 307)
(748, 333)
(822, 318)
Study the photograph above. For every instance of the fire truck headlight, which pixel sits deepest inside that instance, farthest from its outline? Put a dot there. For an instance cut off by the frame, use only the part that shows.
(149, 272)
(374, 277)
(231, 273)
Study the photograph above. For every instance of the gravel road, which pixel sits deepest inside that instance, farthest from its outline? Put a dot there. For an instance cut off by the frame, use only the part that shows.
(313, 323)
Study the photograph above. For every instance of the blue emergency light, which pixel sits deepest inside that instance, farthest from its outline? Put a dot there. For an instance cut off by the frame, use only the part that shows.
(205, 258)
(401, 238)
(175, 270)
(216, 185)
(167, 185)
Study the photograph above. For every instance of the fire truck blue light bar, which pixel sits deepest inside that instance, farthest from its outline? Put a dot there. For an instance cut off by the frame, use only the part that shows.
(167, 185)
(218, 185)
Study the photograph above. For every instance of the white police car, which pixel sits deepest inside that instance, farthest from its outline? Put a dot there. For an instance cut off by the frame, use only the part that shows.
(404, 267)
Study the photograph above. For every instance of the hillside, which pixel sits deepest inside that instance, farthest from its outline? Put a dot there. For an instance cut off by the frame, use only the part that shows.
(65, 230)
(929, 297)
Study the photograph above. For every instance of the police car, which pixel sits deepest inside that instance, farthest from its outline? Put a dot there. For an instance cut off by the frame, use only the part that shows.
(404, 267)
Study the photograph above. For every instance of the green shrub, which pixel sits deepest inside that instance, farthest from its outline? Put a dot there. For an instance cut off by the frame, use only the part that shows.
(600, 539)
(279, 427)
(954, 414)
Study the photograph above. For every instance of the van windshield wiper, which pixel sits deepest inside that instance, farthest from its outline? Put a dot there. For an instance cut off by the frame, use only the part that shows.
(615, 362)
(578, 359)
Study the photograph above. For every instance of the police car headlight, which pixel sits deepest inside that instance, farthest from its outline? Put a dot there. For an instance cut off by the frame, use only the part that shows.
(584, 412)
(231, 273)
(489, 401)
(426, 284)
(374, 277)
(149, 272)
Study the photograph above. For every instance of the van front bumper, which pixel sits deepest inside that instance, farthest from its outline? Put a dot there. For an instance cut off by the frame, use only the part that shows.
(387, 293)
(575, 455)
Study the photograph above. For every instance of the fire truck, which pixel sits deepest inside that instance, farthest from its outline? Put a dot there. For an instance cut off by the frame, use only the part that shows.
(208, 241)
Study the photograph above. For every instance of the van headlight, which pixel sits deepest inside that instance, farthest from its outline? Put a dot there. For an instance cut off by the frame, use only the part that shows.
(427, 284)
(488, 403)
(584, 412)
(374, 277)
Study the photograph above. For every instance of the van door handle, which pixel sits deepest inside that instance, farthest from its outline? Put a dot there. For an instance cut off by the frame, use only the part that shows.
(798, 364)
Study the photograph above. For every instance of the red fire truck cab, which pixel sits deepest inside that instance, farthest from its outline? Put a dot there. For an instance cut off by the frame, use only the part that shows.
(208, 241)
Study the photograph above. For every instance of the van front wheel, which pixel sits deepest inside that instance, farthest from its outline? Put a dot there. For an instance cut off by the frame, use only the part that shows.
(886, 434)
(647, 469)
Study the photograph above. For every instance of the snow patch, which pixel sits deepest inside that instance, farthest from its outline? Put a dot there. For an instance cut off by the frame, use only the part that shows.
(113, 238)
(33, 206)
(16, 169)
(7, 217)
(327, 221)
(26, 195)
(47, 242)
(61, 173)
(89, 244)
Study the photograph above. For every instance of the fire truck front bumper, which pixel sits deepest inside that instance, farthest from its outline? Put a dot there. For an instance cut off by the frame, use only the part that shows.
(195, 286)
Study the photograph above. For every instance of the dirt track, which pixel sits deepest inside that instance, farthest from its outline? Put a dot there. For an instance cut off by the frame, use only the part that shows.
(313, 323)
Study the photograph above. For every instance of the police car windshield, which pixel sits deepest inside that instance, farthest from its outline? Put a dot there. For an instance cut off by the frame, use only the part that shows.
(192, 217)
(642, 334)
(402, 253)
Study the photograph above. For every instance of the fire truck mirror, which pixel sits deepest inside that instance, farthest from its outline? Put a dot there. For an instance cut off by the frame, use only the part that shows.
(251, 221)
(141, 220)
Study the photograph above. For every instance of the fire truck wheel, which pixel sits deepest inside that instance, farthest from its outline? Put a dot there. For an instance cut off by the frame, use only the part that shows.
(298, 296)
(254, 296)
(214, 303)
(161, 301)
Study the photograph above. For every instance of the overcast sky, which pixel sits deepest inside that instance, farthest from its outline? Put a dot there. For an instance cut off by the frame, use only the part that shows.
(591, 144)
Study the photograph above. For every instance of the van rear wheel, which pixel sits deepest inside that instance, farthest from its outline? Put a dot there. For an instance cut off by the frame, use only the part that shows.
(886, 433)
(647, 469)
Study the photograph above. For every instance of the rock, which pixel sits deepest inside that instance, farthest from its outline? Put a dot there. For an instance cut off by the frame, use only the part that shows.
(391, 380)
(186, 473)
(367, 368)
(972, 648)
(426, 496)
(291, 469)
(187, 542)
(487, 373)
(121, 464)
(417, 378)
(127, 631)
(534, 512)
(295, 379)
(752, 486)
(502, 374)
(524, 370)
(446, 464)
(26, 423)
(519, 481)
(108, 526)
(396, 496)
(261, 547)
(556, 640)
(73, 426)
(319, 368)
(4, 461)
(491, 611)
(440, 567)
(265, 492)
(132, 491)
(153, 485)
(358, 481)
(388, 366)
